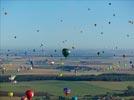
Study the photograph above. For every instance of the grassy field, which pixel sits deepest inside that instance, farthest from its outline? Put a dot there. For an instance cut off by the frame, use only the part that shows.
(56, 87)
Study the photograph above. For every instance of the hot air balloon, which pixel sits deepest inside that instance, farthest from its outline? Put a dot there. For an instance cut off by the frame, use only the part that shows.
(101, 33)
(88, 9)
(34, 50)
(67, 91)
(11, 78)
(52, 62)
(73, 47)
(123, 55)
(131, 22)
(61, 20)
(15, 82)
(15, 37)
(10, 94)
(41, 45)
(51, 55)
(60, 74)
(109, 22)
(130, 62)
(24, 98)
(37, 30)
(74, 98)
(98, 53)
(95, 25)
(109, 3)
(29, 94)
(66, 52)
(128, 35)
(5, 13)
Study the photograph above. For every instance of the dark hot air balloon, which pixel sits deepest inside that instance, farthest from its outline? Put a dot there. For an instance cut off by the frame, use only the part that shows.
(66, 52)
(109, 3)
(98, 53)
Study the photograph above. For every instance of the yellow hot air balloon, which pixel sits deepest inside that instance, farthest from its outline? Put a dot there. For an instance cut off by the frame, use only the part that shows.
(10, 94)
(60, 74)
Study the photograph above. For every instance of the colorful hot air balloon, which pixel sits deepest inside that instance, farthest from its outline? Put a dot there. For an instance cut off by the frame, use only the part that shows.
(67, 91)
(65, 52)
(29, 94)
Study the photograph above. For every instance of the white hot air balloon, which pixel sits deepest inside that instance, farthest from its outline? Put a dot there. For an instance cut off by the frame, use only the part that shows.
(11, 78)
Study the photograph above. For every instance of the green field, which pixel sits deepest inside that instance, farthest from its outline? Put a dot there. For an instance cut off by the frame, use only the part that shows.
(79, 88)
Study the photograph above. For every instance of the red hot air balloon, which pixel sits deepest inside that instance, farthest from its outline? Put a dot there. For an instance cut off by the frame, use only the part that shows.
(29, 94)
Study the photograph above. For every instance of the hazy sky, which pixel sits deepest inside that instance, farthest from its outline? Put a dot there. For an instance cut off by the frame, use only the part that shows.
(71, 20)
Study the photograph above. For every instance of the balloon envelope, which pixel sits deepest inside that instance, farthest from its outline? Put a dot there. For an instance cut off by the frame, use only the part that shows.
(29, 94)
(98, 53)
(10, 94)
(124, 56)
(74, 98)
(130, 62)
(5, 13)
(65, 52)
(67, 91)
(60, 74)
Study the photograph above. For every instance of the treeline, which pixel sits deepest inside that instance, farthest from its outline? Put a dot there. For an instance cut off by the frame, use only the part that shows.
(101, 77)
